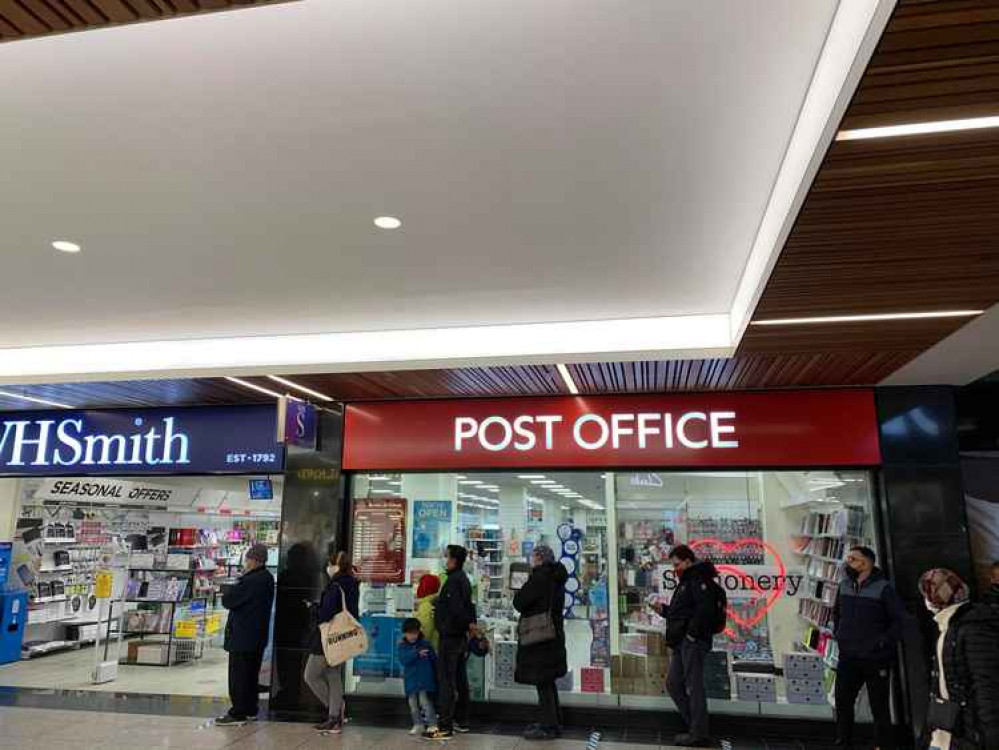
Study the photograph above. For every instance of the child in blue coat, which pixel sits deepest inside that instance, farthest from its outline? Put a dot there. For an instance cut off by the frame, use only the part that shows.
(420, 664)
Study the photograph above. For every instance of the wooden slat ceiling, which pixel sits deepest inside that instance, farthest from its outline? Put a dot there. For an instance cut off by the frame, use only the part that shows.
(24, 19)
(890, 225)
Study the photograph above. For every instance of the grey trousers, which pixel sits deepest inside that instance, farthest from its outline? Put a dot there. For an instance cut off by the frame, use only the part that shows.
(686, 685)
(327, 683)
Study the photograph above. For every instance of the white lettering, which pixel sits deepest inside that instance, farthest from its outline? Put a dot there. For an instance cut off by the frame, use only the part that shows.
(69, 441)
(529, 440)
(168, 441)
(507, 434)
(681, 429)
(549, 421)
(718, 429)
(464, 428)
(618, 429)
(645, 429)
(577, 432)
(106, 442)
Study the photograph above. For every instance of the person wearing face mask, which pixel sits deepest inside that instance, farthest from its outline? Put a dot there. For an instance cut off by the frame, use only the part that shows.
(964, 712)
(326, 681)
(868, 619)
(249, 602)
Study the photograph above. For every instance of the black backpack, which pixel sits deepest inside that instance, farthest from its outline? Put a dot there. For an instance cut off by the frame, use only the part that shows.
(719, 601)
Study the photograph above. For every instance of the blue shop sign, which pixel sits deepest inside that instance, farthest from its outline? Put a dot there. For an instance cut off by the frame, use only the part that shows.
(121, 442)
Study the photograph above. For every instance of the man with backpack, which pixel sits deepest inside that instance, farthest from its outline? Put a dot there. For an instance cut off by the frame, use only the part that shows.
(694, 615)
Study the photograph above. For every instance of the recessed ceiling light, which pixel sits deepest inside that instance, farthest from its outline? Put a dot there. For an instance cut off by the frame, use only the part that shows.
(531, 476)
(35, 400)
(919, 128)
(302, 388)
(64, 246)
(868, 318)
(565, 507)
(387, 222)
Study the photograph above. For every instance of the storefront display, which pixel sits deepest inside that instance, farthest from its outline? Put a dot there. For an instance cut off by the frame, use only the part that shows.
(778, 538)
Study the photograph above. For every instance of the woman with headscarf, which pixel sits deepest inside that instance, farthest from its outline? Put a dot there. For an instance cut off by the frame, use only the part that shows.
(964, 711)
(542, 663)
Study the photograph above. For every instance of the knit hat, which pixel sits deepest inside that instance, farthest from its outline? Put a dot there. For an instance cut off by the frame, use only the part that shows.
(941, 588)
(258, 552)
(429, 585)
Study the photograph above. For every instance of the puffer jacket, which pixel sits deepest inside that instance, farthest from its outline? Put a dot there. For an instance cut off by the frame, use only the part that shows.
(971, 669)
(868, 619)
(691, 610)
(542, 663)
(425, 614)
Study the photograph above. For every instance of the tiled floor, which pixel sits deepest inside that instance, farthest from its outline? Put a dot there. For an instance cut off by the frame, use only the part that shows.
(44, 729)
(71, 671)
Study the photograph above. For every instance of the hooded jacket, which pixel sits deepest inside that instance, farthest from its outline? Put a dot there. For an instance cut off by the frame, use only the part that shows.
(455, 609)
(691, 611)
(419, 671)
(970, 665)
(425, 614)
(543, 663)
(868, 619)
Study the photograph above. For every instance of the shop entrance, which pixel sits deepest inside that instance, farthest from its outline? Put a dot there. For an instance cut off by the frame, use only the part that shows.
(172, 546)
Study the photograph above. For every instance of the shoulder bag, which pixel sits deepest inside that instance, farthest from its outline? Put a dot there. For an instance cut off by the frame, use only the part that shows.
(539, 628)
(343, 637)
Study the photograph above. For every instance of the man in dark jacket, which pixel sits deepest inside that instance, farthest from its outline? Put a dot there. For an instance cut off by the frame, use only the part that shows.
(991, 596)
(249, 603)
(690, 620)
(541, 664)
(868, 620)
(454, 615)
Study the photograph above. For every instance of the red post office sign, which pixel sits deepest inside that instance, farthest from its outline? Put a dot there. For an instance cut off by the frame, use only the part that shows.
(786, 428)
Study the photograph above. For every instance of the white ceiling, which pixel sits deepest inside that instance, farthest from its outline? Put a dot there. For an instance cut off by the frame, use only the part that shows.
(551, 161)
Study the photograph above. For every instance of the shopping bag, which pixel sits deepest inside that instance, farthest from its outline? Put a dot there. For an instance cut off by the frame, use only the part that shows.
(343, 638)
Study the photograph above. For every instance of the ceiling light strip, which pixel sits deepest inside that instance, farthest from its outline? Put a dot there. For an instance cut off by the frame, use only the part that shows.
(868, 318)
(253, 386)
(919, 128)
(301, 388)
(567, 379)
(35, 400)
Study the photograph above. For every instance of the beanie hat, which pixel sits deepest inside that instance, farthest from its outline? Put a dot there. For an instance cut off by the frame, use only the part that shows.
(429, 585)
(941, 588)
(258, 552)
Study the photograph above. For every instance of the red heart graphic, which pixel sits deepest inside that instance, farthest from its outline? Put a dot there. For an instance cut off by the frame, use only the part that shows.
(770, 598)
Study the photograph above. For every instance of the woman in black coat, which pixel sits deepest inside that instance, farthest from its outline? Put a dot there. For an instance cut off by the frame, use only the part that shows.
(543, 663)
(967, 669)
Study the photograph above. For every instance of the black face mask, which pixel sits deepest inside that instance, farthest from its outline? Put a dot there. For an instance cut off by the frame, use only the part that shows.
(852, 574)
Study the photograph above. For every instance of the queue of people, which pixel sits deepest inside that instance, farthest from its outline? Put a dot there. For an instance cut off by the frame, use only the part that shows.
(868, 623)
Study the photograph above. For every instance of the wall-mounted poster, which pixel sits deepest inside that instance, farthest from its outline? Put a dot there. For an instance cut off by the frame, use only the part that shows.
(379, 546)
(431, 527)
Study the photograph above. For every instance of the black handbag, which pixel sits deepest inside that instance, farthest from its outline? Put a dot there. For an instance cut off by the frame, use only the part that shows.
(943, 714)
(539, 628)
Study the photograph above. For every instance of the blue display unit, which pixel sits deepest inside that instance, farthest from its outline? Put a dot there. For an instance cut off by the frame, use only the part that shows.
(381, 660)
(13, 618)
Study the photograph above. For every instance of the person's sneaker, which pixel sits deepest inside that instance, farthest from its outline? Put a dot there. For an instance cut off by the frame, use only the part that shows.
(460, 729)
(335, 727)
(417, 729)
(229, 721)
(539, 733)
(324, 726)
(439, 734)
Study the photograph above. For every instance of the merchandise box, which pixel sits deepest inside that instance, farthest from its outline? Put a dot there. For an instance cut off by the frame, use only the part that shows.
(592, 679)
(803, 666)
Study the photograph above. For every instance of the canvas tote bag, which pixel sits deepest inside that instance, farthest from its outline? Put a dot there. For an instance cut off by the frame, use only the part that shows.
(343, 637)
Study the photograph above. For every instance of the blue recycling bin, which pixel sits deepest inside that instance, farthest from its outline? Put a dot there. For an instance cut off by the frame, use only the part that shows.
(13, 618)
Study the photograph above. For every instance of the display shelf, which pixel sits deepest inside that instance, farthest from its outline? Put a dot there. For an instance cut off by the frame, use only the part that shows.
(48, 600)
(52, 647)
(62, 542)
(57, 569)
(822, 628)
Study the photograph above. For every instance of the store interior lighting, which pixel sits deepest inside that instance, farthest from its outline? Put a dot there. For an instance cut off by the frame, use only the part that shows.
(868, 318)
(567, 379)
(300, 388)
(919, 128)
(35, 400)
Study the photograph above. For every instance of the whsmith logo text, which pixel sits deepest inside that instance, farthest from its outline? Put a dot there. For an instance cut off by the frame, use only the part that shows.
(53, 442)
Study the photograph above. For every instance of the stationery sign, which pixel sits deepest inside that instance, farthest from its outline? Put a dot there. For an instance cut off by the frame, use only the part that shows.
(121, 442)
(774, 429)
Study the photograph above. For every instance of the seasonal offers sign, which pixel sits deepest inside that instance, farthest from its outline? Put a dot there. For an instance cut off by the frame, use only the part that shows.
(790, 428)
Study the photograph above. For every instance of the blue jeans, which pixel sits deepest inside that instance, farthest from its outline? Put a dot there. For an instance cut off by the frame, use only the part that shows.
(421, 706)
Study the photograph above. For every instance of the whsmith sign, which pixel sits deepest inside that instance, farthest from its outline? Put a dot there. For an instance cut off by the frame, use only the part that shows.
(211, 440)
